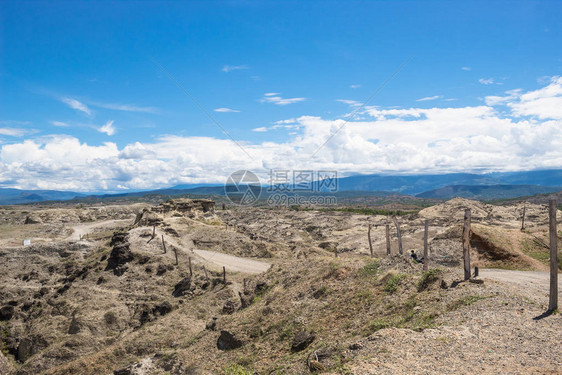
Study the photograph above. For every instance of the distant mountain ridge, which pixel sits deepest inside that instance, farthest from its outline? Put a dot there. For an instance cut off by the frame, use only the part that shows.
(487, 191)
(441, 186)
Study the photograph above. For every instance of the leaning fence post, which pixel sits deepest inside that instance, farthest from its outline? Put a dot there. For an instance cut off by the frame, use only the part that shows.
(206, 275)
(553, 299)
(387, 239)
(399, 235)
(163, 244)
(370, 243)
(425, 247)
(466, 244)
(190, 269)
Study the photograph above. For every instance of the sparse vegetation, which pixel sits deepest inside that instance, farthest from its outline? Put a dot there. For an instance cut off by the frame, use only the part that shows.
(236, 369)
(370, 269)
(427, 278)
(393, 282)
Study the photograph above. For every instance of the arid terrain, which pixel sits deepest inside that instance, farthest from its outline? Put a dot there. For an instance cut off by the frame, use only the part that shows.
(185, 287)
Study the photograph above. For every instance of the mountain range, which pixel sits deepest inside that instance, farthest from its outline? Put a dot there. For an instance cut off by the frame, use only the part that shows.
(495, 185)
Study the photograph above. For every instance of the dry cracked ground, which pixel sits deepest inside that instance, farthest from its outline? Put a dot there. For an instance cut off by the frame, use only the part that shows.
(109, 290)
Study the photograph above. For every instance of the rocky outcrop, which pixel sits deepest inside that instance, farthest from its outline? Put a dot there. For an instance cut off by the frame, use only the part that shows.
(6, 312)
(301, 341)
(227, 341)
(183, 287)
(174, 207)
(120, 255)
(32, 219)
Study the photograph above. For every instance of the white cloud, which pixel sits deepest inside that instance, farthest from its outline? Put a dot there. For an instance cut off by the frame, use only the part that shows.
(466, 68)
(354, 86)
(520, 131)
(75, 104)
(261, 129)
(277, 100)
(13, 132)
(427, 98)
(124, 107)
(229, 68)
(271, 94)
(544, 103)
(59, 123)
(351, 103)
(226, 110)
(489, 81)
(108, 128)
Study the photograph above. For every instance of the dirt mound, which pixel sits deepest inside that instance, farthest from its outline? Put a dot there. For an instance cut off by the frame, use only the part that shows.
(503, 249)
(454, 209)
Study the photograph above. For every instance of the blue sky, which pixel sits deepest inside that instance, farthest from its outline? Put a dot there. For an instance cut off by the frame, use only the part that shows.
(84, 106)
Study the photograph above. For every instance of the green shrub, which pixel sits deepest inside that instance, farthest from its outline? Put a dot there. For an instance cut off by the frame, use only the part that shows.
(428, 277)
(378, 324)
(393, 282)
(236, 369)
(370, 269)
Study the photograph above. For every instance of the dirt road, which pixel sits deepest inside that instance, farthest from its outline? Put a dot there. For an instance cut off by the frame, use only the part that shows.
(232, 263)
(81, 229)
(534, 283)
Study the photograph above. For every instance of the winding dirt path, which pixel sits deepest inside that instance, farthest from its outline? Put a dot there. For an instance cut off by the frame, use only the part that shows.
(233, 263)
(81, 229)
(533, 283)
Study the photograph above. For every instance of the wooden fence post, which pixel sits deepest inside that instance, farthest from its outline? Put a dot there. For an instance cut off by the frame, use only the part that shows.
(206, 274)
(176, 254)
(190, 269)
(387, 239)
(425, 247)
(400, 251)
(153, 231)
(523, 218)
(466, 244)
(163, 244)
(553, 299)
(224, 275)
(370, 243)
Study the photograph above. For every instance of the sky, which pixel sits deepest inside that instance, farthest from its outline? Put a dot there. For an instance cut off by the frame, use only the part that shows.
(117, 96)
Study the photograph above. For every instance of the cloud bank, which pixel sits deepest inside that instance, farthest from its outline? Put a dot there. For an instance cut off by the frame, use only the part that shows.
(521, 130)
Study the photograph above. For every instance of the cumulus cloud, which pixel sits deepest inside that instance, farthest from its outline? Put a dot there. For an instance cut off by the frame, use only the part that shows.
(75, 104)
(427, 98)
(354, 86)
(261, 129)
(226, 110)
(519, 131)
(108, 128)
(466, 68)
(544, 103)
(230, 68)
